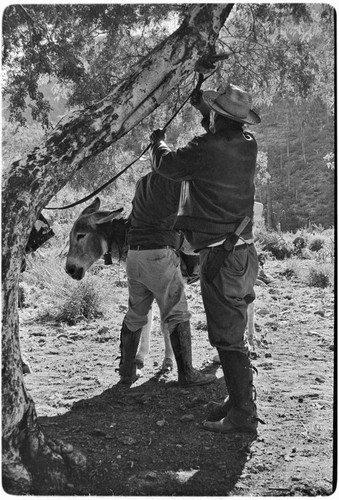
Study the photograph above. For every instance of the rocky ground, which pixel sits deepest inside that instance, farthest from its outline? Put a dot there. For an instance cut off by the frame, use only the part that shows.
(148, 439)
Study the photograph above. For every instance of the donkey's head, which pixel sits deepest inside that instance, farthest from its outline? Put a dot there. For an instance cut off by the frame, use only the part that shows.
(92, 235)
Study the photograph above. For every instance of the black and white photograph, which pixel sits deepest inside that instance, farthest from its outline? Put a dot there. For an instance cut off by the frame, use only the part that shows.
(169, 222)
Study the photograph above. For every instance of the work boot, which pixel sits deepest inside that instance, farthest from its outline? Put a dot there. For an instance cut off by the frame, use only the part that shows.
(217, 411)
(242, 416)
(129, 343)
(182, 348)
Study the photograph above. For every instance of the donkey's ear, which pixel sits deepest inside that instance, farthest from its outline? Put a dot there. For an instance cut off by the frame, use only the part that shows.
(116, 214)
(93, 207)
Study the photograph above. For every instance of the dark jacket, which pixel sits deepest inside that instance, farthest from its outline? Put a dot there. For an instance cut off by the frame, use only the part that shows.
(154, 211)
(218, 192)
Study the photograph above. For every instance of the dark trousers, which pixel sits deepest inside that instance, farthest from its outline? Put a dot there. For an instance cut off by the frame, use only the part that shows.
(227, 297)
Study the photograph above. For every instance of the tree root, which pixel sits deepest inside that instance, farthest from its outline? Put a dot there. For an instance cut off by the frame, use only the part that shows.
(34, 465)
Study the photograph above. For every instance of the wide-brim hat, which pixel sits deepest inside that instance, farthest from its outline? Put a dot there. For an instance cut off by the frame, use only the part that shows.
(233, 102)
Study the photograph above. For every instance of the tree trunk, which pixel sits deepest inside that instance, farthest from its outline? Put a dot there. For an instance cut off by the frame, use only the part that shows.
(29, 184)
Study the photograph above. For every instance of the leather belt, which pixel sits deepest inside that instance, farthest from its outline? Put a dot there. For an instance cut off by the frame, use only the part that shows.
(148, 247)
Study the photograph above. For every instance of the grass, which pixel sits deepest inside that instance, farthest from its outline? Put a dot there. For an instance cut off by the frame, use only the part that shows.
(59, 298)
(320, 276)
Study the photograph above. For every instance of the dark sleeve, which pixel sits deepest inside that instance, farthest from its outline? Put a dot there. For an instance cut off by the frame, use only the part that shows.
(180, 165)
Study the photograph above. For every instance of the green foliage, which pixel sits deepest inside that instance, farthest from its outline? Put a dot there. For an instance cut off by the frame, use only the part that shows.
(84, 302)
(281, 49)
(273, 242)
(262, 174)
(297, 137)
(316, 244)
(327, 253)
(88, 48)
(57, 296)
(330, 161)
(320, 276)
(17, 141)
(290, 269)
(283, 53)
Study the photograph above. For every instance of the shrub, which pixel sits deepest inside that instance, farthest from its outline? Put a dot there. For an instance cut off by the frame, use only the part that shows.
(58, 297)
(316, 244)
(290, 269)
(320, 276)
(273, 242)
(83, 302)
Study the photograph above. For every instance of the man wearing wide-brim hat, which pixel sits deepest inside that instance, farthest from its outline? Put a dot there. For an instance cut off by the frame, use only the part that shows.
(217, 199)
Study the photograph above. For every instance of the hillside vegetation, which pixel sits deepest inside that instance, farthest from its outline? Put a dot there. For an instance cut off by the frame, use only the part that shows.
(296, 139)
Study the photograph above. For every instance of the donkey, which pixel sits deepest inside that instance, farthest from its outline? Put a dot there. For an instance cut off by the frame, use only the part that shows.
(97, 233)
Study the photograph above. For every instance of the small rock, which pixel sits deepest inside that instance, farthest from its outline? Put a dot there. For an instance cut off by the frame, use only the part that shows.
(103, 330)
(262, 312)
(98, 432)
(187, 418)
(185, 392)
(151, 475)
(320, 313)
(161, 423)
(321, 380)
(127, 440)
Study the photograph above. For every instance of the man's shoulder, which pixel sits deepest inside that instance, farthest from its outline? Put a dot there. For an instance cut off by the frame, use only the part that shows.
(200, 139)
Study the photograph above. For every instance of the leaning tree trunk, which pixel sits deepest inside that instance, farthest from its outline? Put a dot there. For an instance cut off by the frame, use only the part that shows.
(29, 185)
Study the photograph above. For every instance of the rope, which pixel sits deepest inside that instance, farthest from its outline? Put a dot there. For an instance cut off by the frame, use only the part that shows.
(201, 79)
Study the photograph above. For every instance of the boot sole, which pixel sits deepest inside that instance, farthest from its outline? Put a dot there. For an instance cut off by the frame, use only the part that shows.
(203, 382)
(231, 430)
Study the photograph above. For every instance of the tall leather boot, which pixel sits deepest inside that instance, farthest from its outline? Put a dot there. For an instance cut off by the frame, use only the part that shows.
(182, 348)
(242, 416)
(129, 342)
(217, 411)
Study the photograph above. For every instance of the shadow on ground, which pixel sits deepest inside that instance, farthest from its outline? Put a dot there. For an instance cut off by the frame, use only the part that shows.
(149, 440)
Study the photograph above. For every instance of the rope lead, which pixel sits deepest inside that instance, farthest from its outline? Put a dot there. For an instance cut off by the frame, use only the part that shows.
(201, 79)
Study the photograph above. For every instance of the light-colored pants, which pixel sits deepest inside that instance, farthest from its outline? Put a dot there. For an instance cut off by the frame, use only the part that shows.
(155, 274)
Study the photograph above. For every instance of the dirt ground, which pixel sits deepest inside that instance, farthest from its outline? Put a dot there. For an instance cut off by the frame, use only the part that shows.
(148, 439)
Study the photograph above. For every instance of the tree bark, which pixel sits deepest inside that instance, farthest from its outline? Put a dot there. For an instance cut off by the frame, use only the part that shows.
(29, 184)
